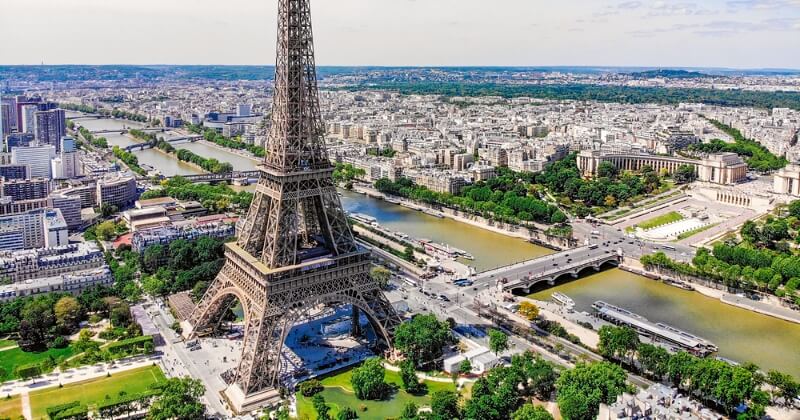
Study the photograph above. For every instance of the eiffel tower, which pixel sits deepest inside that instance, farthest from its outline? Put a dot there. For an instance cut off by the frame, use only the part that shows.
(295, 250)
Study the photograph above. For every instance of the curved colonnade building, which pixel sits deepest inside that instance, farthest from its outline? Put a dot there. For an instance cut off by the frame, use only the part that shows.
(722, 168)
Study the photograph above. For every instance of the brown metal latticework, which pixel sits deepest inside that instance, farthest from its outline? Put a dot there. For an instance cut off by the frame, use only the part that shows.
(295, 249)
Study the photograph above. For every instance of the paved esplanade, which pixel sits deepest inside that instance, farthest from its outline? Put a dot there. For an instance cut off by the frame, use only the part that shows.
(549, 267)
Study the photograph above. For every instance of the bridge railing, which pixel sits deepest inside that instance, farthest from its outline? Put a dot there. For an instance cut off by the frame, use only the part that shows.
(560, 270)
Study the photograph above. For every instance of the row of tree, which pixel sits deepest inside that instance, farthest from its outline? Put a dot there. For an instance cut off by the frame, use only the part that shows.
(129, 158)
(211, 135)
(739, 267)
(100, 142)
(757, 156)
(211, 165)
(216, 198)
(115, 113)
(715, 382)
(601, 93)
(506, 198)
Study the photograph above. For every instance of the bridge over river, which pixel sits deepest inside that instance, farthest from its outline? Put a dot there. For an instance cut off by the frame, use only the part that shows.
(223, 177)
(523, 276)
(173, 140)
(126, 130)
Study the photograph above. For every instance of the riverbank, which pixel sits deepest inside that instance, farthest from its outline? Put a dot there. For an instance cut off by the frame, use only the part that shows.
(764, 307)
(528, 234)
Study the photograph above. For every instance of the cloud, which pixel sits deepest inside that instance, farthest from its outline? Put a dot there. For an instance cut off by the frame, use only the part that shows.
(629, 5)
(663, 8)
(762, 4)
(725, 27)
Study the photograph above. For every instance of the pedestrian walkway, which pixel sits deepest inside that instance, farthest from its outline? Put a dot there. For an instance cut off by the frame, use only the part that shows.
(26, 405)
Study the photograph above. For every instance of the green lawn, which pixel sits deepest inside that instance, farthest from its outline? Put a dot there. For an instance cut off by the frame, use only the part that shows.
(670, 217)
(10, 359)
(11, 407)
(693, 232)
(7, 343)
(338, 393)
(90, 392)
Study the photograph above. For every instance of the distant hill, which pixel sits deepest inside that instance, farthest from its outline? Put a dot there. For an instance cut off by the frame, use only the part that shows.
(669, 74)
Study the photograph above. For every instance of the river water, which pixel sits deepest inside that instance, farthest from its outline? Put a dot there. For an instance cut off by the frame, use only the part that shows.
(741, 335)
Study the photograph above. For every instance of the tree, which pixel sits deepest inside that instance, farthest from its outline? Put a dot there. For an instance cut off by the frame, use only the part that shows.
(498, 341)
(120, 315)
(423, 338)
(68, 313)
(409, 376)
(685, 174)
(653, 359)
(444, 405)
(311, 387)
(607, 170)
(108, 210)
(106, 231)
(320, 407)
(582, 389)
(410, 411)
(347, 413)
(368, 380)
(784, 385)
(528, 310)
(531, 412)
(199, 290)
(617, 342)
(539, 375)
(381, 276)
(36, 320)
(152, 258)
(179, 399)
(85, 340)
(465, 367)
(408, 254)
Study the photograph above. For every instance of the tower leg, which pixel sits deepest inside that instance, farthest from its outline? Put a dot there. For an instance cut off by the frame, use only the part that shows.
(356, 321)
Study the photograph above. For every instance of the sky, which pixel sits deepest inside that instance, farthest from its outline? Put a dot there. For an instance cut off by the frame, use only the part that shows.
(702, 33)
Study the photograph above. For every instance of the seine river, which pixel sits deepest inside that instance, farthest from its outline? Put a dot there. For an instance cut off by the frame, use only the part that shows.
(741, 335)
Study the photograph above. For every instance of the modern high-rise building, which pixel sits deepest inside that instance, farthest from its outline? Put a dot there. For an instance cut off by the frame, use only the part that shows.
(70, 207)
(119, 191)
(18, 140)
(28, 118)
(50, 127)
(36, 157)
(40, 228)
(5, 119)
(244, 110)
(14, 171)
(26, 189)
(11, 112)
(66, 165)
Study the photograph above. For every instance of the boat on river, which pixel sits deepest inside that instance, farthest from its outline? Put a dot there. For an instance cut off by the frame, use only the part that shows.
(563, 299)
(657, 331)
(433, 213)
(679, 284)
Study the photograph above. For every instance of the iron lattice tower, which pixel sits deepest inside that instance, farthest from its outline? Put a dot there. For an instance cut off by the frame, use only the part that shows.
(295, 249)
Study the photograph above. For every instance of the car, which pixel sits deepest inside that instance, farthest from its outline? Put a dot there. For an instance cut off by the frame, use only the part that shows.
(555, 264)
(444, 298)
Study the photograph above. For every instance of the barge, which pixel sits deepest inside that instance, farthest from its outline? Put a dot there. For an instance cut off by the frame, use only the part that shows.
(659, 332)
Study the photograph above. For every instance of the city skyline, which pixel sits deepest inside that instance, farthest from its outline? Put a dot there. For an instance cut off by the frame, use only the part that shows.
(732, 34)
